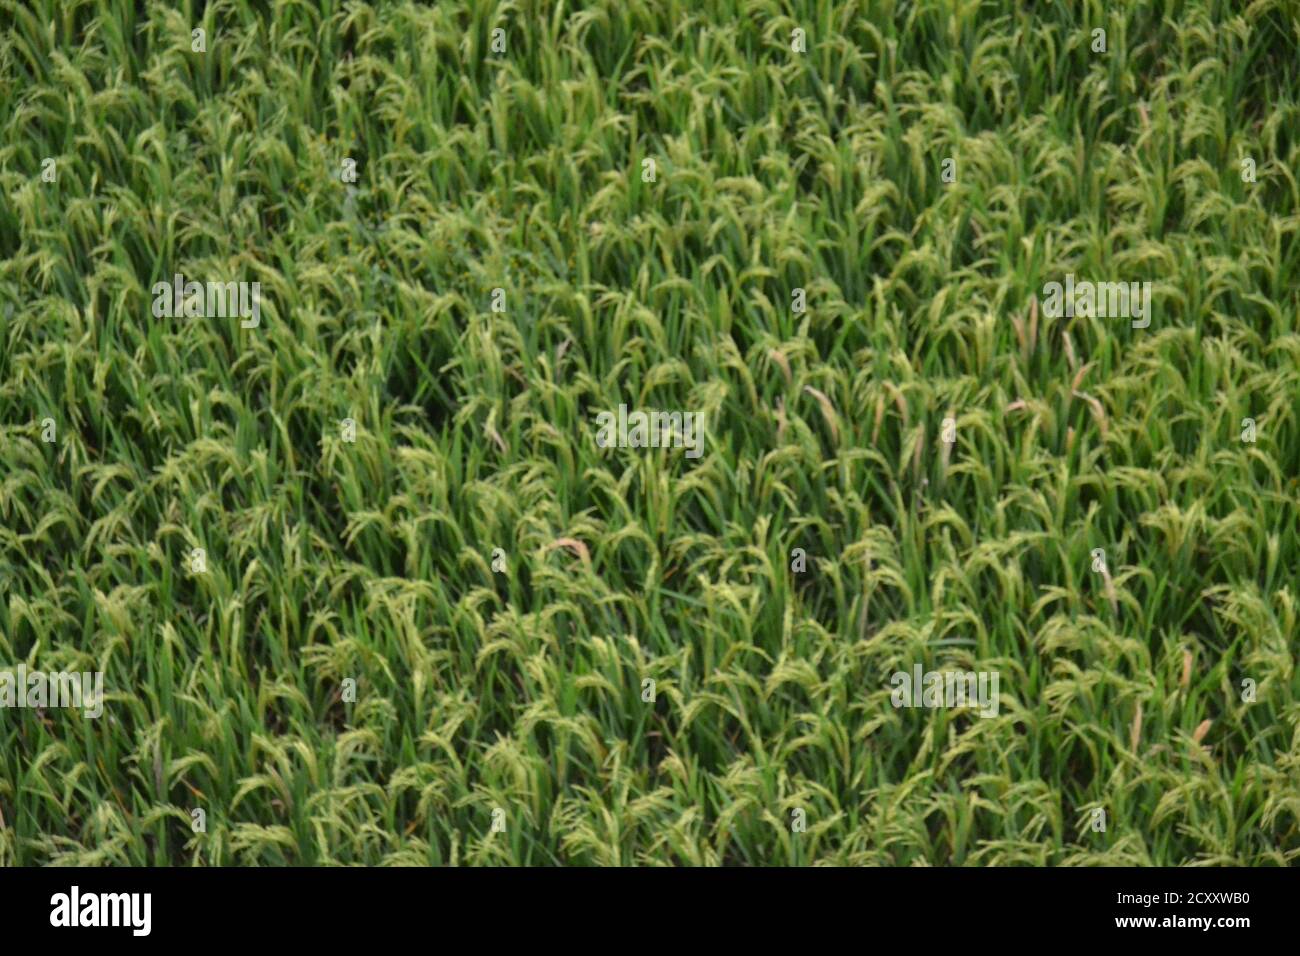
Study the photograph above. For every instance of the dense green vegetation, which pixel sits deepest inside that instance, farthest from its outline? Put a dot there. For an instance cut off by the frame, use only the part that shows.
(522, 690)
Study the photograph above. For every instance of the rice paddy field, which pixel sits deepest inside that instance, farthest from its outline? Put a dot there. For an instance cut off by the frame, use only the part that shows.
(364, 580)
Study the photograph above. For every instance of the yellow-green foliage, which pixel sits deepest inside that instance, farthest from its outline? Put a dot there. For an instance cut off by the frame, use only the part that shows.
(371, 561)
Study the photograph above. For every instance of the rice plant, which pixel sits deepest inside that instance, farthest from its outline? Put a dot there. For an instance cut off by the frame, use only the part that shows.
(366, 586)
